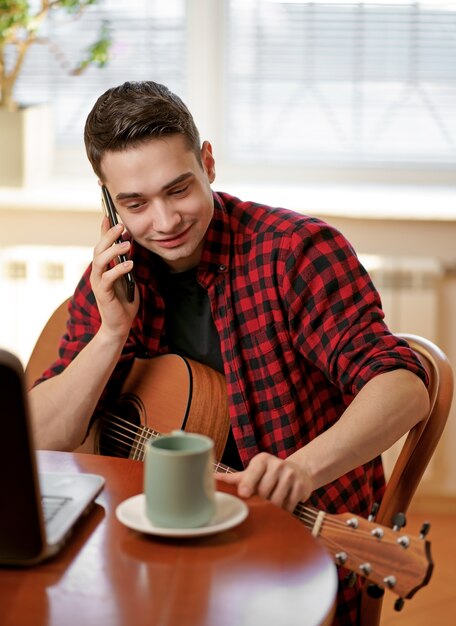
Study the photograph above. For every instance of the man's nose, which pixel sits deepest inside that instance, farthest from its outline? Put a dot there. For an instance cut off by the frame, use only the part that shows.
(164, 218)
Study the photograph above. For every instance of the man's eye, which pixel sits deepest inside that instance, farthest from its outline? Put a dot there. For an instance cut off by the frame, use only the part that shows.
(180, 190)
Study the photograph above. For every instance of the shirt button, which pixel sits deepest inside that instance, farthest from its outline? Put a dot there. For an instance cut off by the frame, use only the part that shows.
(222, 268)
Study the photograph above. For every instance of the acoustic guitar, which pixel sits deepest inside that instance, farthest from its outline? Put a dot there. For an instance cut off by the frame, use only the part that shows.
(169, 392)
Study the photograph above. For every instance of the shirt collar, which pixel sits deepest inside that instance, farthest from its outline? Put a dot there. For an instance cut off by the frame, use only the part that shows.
(215, 258)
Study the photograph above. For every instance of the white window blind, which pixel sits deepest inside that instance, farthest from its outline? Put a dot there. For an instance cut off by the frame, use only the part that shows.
(149, 41)
(304, 82)
(341, 82)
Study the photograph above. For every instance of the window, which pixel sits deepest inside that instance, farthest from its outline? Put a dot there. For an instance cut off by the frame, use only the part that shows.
(148, 43)
(273, 82)
(341, 82)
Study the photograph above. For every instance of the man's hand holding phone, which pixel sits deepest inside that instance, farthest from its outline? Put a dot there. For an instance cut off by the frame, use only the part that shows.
(110, 284)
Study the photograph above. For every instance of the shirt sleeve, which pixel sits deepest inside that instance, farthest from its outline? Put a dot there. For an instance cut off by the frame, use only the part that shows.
(335, 312)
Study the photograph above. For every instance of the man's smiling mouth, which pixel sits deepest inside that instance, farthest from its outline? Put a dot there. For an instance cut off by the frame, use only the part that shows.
(174, 240)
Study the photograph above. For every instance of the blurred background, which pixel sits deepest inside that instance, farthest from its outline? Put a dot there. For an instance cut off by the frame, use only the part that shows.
(342, 110)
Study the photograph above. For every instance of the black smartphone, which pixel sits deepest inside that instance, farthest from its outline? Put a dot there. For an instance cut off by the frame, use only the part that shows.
(110, 211)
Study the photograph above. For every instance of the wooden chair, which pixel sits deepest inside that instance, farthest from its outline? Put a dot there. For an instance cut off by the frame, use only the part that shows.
(45, 351)
(415, 453)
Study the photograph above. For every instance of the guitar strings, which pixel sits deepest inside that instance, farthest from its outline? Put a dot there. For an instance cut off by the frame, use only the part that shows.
(131, 437)
(118, 431)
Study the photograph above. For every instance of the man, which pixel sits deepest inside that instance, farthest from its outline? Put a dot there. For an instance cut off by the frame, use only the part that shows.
(278, 302)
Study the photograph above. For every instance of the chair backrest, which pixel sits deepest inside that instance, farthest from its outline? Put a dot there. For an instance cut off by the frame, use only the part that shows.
(45, 351)
(416, 451)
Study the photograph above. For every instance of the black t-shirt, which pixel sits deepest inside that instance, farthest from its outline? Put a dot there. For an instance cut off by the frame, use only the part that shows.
(191, 332)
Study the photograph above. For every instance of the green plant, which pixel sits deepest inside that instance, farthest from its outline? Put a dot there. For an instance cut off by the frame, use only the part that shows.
(19, 29)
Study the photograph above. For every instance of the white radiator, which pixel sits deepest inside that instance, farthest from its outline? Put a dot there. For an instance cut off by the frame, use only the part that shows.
(410, 289)
(411, 292)
(34, 280)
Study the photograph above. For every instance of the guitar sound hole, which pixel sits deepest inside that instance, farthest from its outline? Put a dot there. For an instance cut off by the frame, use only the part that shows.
(120, 431)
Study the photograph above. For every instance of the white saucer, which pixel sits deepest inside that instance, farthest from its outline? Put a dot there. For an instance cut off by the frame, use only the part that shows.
(229, 512)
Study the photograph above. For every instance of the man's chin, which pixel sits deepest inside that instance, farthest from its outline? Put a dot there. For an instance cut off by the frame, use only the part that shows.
(178, 259)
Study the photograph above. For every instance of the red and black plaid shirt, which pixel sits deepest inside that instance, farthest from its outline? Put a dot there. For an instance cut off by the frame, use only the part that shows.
(301, 332)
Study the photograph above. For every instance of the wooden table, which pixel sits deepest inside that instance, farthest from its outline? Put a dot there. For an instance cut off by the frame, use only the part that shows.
(267, 571)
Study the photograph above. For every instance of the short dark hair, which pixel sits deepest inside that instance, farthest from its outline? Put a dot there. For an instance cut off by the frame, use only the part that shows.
(134, 113)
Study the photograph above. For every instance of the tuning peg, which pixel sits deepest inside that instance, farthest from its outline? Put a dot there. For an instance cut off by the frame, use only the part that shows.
(373, 512)
(374, 591)
(425, 528)
(379, 533)
(341, 557)
(352, 522)
(399, 521)
(366, 568)
(390, 581)
(404, 541)
(399, 604)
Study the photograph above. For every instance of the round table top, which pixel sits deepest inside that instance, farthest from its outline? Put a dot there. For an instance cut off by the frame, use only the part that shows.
(267, 570)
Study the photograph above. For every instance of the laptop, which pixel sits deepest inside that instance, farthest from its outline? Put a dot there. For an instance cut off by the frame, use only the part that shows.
(37, 510)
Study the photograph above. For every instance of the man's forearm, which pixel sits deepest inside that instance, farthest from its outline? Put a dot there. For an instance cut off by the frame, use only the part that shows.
(62, 406)
(386, 408)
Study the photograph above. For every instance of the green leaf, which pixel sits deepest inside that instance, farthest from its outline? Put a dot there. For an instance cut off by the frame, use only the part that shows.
(98, 53)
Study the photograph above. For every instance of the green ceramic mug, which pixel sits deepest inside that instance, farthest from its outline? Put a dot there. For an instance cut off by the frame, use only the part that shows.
(179, 482)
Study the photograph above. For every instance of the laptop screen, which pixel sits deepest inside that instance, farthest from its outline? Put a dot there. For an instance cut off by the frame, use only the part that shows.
(21, 529)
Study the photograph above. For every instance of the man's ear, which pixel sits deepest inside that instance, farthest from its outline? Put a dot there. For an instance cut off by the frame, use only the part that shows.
(208, 161)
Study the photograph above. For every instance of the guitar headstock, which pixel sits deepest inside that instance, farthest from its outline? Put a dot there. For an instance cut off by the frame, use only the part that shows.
(387, 557)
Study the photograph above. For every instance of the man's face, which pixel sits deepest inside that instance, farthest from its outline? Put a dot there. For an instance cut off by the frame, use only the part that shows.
(163, 197)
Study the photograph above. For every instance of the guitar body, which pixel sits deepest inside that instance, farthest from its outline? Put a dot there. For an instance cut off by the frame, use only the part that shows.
(160, 395)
